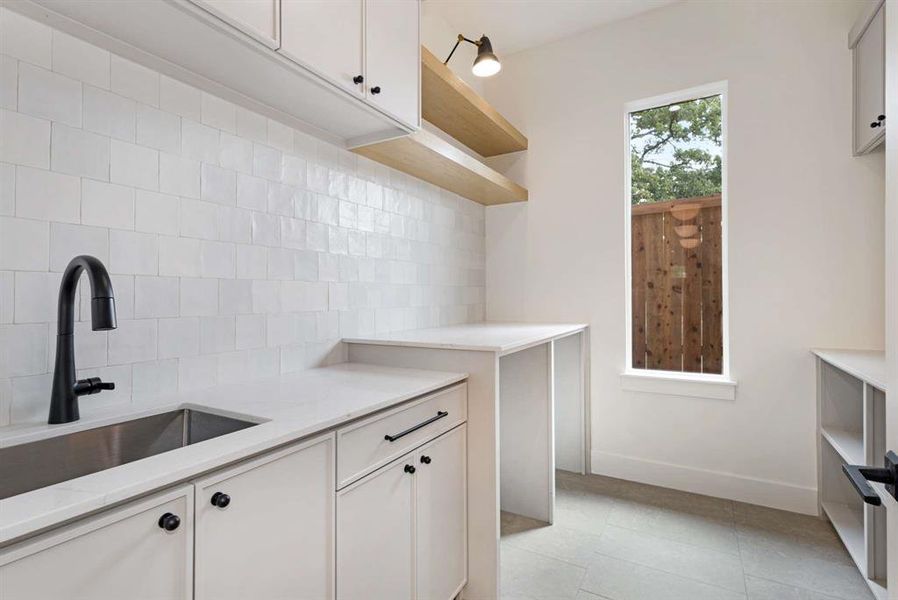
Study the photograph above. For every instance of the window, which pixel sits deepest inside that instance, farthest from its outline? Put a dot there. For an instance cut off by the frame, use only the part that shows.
(676, 217)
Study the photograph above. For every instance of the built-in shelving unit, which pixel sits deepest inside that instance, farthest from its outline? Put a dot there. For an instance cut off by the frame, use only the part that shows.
(428, 157)
(851, 422)
(450, 105)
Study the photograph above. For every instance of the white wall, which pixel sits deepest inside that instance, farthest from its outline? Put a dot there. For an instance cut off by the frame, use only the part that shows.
(806, 235)
(238, 247)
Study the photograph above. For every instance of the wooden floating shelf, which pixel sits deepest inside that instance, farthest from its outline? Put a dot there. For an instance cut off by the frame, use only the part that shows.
(426, 156)
(451, 105)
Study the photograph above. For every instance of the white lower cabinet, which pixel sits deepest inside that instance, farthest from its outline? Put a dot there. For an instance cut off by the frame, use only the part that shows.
(141, 551)
(265, 528)
(401, 531)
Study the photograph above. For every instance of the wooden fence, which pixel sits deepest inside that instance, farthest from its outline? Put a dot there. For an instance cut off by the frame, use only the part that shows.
(677, 285)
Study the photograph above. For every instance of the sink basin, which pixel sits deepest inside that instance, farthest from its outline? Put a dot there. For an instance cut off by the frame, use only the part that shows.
(34, 465)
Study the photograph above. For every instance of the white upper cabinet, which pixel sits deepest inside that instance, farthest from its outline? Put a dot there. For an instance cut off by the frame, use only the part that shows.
(326, 36)
(258, 18)
(393, 58)
(265, 529)
(141, 551)
(867, 41)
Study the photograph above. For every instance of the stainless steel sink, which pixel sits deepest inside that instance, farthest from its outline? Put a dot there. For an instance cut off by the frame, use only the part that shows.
(34, 465)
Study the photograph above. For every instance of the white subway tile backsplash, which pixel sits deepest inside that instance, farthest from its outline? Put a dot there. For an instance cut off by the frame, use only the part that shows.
(9, 82)
(24, 244)
(252, 126)
(252, 192)
(46, 95)
(179, 176)
(250, 332)
(133, 341)
(109, 114)
(25, 39)
(235, 153)
(7, 296)
(197, 372)
(133, 252)
(134, 165)
(158, 129)
(47, 195)
(199, 219)
(217, 334)
(219, 185)
(25, 140)
(238, 247)
(252, 262)
(156, 297)
(199, 142)
(134, 81)
(23, 349)
(179, 256)
(150, 379)
(156, 213)
(235, 296)
(266, 162)
(79, 60)
(79, 152)
(179, 337)
(180, 99)
(107, 204)
(217, 259)
(199, 297)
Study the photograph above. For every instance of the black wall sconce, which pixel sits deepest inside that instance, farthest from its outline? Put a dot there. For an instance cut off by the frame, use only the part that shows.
(486, 64)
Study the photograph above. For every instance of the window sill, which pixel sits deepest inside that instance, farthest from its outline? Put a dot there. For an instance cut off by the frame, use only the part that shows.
(716, 387)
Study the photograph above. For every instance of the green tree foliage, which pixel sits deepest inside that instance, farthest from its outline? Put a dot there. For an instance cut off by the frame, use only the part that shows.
(676, 153)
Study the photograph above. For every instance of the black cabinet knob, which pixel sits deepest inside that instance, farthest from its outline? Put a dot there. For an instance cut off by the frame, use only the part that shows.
(358, 79)
(425, 459)
(169, 521)
(881, 118)
(220, 499)
(375, 89)
(876, 124)
(410, 469)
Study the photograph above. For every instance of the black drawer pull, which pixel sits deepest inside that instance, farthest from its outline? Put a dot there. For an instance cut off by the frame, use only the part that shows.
(440, 414)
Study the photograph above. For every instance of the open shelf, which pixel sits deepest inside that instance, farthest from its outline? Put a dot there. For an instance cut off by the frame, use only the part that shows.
(848, 521)
(848, 444)
(451, 105)
(426, 156)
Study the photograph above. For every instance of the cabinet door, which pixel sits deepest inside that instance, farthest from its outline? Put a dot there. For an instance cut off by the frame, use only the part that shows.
(442, 516)
(393, 58)
(325, 36)
(270, 532)
(869, 82)
(375, 535)
(120, 553)
(257, 18)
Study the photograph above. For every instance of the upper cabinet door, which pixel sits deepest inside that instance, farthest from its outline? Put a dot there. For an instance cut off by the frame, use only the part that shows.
(325, 36)
(265, 529)
(869, 85)
(393, 58)
(257, 18)
(142, 550)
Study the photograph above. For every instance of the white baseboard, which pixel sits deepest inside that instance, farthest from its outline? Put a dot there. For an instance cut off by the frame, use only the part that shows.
(763, 492)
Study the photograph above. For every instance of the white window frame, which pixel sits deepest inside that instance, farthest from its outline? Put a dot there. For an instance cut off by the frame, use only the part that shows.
(703, 385)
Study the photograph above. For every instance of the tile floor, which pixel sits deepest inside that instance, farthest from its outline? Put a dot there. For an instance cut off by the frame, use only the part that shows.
(618, 540)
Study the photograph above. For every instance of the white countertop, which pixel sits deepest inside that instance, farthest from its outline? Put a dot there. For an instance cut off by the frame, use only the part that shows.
(867, 365)
(288, 408)
(502, 338)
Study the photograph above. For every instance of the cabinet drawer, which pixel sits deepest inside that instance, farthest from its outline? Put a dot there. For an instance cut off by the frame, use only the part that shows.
(363, 447)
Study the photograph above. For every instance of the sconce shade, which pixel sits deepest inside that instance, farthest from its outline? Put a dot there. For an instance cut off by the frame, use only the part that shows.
(486, 63)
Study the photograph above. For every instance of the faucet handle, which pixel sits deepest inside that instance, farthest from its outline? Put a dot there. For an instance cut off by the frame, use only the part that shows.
(92, 385)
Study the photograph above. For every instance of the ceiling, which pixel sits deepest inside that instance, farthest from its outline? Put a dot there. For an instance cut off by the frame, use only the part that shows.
(515, 25)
